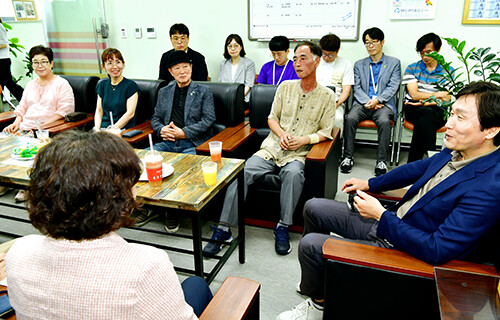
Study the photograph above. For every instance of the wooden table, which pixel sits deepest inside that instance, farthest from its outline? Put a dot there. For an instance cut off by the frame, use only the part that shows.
(184, 190)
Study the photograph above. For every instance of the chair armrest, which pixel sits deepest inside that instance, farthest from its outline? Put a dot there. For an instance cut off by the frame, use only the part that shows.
(146, 130)
(320, 151)
(7, 116)
(221, 136)
(321, 168)
(234, 300)
(63, 126)
(231, 137)
(392, 260)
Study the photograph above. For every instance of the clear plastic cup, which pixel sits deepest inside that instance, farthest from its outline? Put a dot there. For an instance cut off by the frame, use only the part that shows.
(215, 150)
(43, 136)
(154, 168)
(209, 172)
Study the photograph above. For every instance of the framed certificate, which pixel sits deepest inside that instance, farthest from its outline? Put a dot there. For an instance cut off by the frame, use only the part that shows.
(25, 10)
(481, 12)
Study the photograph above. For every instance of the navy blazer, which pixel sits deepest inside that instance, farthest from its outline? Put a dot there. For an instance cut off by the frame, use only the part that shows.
(450, 221)
(388, 81)
(199, 111)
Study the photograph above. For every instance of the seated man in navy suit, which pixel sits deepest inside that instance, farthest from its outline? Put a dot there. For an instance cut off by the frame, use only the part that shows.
(449, 212)
(183, 117)
(184, 113)
(376, 81)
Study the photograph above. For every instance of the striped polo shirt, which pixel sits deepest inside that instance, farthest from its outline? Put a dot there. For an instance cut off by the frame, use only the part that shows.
(417, 72)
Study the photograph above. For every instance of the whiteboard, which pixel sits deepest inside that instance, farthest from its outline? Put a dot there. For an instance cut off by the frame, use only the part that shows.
(303, 19)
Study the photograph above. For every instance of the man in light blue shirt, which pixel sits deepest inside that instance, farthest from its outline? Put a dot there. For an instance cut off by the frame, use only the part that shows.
(376, 81)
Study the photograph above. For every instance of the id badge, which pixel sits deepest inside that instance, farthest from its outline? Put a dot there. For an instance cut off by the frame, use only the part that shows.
(374, 97)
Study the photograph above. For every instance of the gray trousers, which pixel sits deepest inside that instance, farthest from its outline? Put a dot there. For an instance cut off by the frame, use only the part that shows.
(292, 183)
(382, 118)
(322, 216)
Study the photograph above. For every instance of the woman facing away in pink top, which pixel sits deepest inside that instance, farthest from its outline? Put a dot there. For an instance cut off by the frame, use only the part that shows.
(82, 189)
(46, 99)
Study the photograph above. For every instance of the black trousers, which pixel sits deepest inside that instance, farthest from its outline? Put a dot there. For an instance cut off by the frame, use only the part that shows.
(426, 121)
(6, 79)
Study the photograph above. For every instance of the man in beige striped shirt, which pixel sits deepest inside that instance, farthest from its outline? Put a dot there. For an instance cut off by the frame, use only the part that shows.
(303, 113)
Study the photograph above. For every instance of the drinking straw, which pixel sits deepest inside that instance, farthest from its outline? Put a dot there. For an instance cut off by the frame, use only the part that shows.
(38, 126)
(111, 117)
(150, 141)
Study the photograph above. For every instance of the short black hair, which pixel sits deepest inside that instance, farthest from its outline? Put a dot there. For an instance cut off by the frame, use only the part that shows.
(279, 43)
(43, 51)
(374, 33)
(179, 28)
(314, 47)
(428, 38)
(237, 38)
(81, 185)
(330, 42)
(487, 97)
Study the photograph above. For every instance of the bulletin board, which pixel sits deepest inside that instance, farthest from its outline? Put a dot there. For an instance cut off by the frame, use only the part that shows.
(303, 19)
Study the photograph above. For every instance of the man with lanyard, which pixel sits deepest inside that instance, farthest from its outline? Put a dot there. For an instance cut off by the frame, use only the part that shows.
(376, 81)
(280, 69)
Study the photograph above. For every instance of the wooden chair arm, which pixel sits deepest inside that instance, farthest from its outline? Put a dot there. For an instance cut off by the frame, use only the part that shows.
(320, 151)
(7, 116)
(60, 125)
(392, 260)
(233, 300)
(146, 130)
(231, 137)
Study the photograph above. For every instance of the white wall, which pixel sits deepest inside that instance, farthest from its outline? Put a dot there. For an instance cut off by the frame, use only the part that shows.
(211, 21)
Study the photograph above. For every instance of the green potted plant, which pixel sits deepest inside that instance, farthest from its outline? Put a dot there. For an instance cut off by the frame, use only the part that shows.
(14, 48)
(481, 63)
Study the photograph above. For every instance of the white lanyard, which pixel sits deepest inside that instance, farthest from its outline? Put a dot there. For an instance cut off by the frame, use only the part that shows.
(282, 73)
(373, 80)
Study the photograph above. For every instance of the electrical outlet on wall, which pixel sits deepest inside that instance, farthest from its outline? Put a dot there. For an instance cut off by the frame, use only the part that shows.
(123, 32)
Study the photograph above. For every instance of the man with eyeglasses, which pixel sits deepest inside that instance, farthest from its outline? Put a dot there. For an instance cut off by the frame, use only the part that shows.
(426, 117)
(280, 68)
(337, 72)
(179, 36)
(376, 81)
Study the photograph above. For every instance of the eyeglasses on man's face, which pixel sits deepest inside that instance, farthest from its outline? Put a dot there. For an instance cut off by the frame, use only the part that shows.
(372, 43)
(42, 63)
(179, 38)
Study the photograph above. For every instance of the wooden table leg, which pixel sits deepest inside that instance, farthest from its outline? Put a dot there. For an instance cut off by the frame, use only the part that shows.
(241, 216)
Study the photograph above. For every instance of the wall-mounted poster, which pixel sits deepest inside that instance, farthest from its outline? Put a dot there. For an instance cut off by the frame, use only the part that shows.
(412, 9)
(481, 12)
(25, 10)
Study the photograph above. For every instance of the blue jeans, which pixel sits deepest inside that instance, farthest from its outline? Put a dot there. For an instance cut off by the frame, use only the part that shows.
(178, 146)
(196, 293)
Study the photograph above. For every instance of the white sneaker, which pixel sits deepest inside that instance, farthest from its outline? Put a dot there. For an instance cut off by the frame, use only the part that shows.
(304, 311)
(21, 196)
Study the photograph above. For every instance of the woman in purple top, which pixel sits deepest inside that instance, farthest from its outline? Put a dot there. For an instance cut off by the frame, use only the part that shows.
(280, 69)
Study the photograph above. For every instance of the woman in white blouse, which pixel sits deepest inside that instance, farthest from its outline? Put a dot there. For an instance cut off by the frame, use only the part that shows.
(237, 68)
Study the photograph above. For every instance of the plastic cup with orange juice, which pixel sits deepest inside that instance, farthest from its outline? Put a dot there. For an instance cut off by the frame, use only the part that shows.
(215, 150)
(209, 172)
(154, 168)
